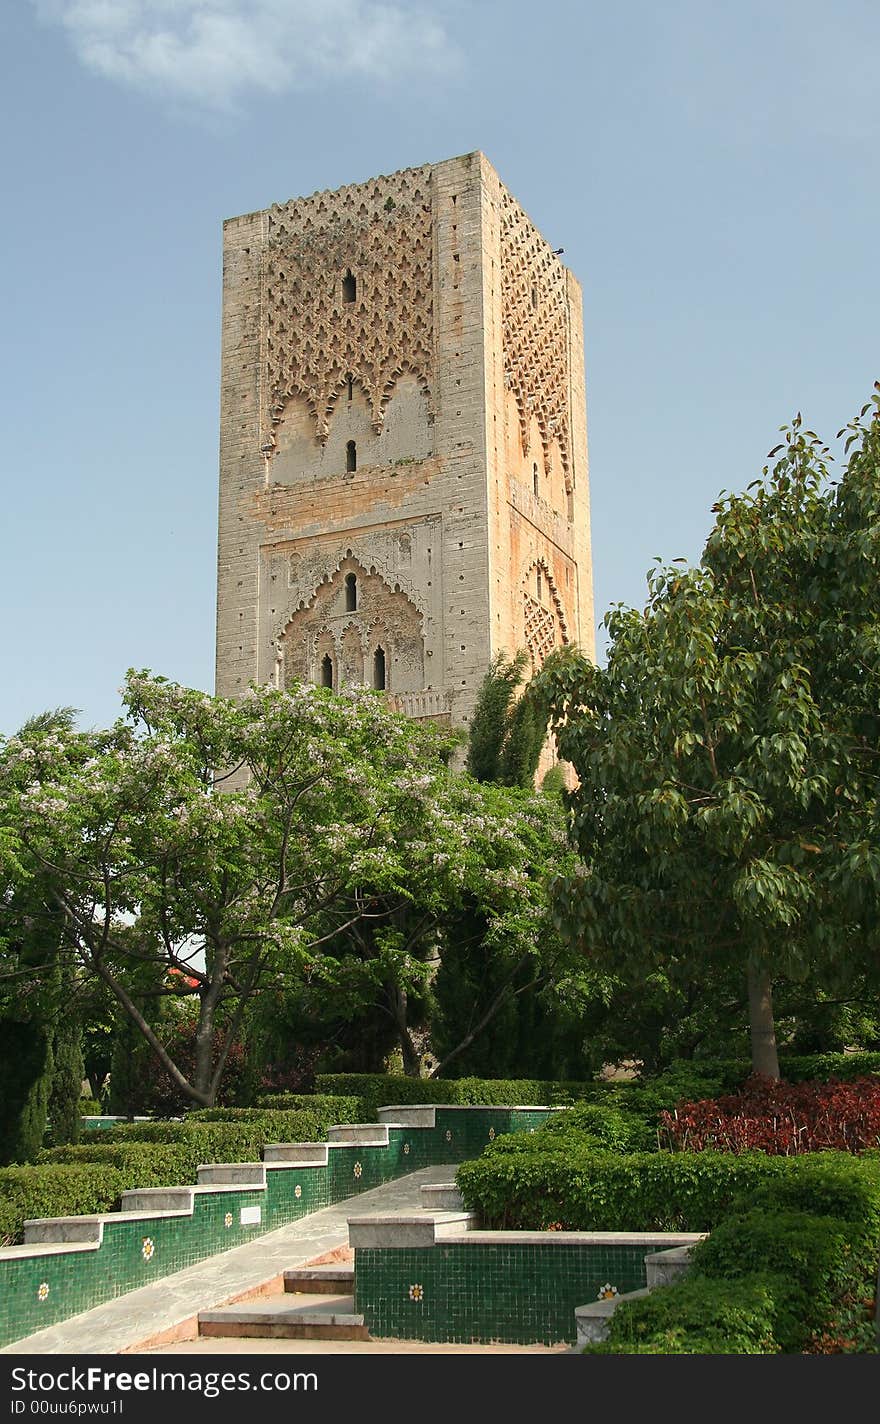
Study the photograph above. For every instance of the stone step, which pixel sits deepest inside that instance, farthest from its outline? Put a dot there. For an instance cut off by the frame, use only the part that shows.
(441, 1196)
(284, 1317)
(320, 1280)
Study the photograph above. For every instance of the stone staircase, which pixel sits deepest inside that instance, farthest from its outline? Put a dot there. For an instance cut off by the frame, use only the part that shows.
(315, 1303)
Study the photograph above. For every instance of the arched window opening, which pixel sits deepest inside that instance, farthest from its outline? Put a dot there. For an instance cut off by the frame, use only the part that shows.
(379, 669)
(326, 671)
(351, 593)
(539, 584)
(534, 298)
(535, 479)
(351, 457)
(350, 387)
(349, 287)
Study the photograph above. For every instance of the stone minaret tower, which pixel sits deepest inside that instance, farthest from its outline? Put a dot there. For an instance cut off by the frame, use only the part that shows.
(403, 465)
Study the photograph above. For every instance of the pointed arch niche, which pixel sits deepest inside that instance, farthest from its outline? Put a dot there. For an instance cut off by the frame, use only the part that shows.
(379, 642)
(544, 621)
(347, 436)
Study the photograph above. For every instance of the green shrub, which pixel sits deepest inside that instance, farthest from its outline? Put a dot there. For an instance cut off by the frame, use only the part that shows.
(582, 1126)
(35, 1191)
(644, 1097)
(793, 1067)
(697, 1317)
(820, 1259)
(329, 1107)
(592, 1189)
(89, 1107)
(141, 1164)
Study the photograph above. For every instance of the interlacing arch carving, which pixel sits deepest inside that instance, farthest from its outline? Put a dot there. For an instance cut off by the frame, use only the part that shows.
(535, 335)
(544, 622)
(384, 616)
(396, 581)
(380, 233)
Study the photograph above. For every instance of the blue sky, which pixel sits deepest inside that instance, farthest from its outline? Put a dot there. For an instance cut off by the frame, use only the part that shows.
(710, 170)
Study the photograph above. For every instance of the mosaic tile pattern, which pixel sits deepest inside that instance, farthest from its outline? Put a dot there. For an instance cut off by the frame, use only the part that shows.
(523, 1294)
(81, 1279)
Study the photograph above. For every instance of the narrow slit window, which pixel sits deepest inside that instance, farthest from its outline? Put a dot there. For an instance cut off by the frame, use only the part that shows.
(351, 457)
(534, 298)
(326, 671)
(379, 669)
(350, 387)
(535, 479)
(349, 287)
(351, 593)
(539, 584)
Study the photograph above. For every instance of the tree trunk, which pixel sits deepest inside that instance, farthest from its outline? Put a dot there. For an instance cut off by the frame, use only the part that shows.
(762, 1029)
(412, 1063)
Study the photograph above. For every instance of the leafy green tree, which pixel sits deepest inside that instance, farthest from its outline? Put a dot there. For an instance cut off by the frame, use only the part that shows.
(507, 732)
(34, 992)
(470, 853)
(727, 755)
(322, 857)
(63, 1109)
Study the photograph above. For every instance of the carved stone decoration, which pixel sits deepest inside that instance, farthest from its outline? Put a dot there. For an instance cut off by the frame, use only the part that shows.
(544, 622)
(535, 336)
(373, 240)
(327, 627)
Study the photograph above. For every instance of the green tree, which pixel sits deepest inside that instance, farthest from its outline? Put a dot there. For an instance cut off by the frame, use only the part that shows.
(322, 858)
(68, 1068)
(34, 991)
(466, 853)
(727, 755)
(507, 732)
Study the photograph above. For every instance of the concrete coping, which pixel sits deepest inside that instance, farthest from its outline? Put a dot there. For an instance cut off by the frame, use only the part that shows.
(67, 1230)
(408, 1116)
(38, 1249)
(240, 1174)
(657, 1239)
(396, 1230)
(604, 1309)
(358, 1134)
(473, 1107)
(295, 1154)
(674, 1255)
(64, 1228)
(112, 1117)
(443, 1196)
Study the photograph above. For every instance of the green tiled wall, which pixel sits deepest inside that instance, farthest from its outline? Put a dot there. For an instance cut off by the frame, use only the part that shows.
(39, 1291)
(462, 1293)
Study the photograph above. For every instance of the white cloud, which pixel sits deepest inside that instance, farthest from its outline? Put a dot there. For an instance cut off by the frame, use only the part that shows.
(217, 52)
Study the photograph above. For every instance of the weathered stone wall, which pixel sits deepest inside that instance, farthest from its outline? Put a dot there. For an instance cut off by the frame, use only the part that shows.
(402, 400)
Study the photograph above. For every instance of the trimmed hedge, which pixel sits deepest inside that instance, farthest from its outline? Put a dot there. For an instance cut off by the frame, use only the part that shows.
(761, 1283)
(154, 1154)
(592, 1189)
(646, 1097)
(342, 1105)
(227, 1140)
(326, 1107)
(803, 1068)
(581, 1127)
(58, 1190)
(822, 1261)
(696, 1317)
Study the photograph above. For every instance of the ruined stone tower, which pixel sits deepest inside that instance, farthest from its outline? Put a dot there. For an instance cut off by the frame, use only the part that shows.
(403, 470)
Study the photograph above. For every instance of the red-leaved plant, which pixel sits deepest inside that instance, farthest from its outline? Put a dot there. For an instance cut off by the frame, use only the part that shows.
(781, 1118)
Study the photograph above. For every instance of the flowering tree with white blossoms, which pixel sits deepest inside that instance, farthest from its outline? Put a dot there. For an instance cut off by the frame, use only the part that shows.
(327, 812)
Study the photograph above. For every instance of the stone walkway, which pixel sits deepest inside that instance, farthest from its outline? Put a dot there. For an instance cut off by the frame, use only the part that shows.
(164, 1313)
